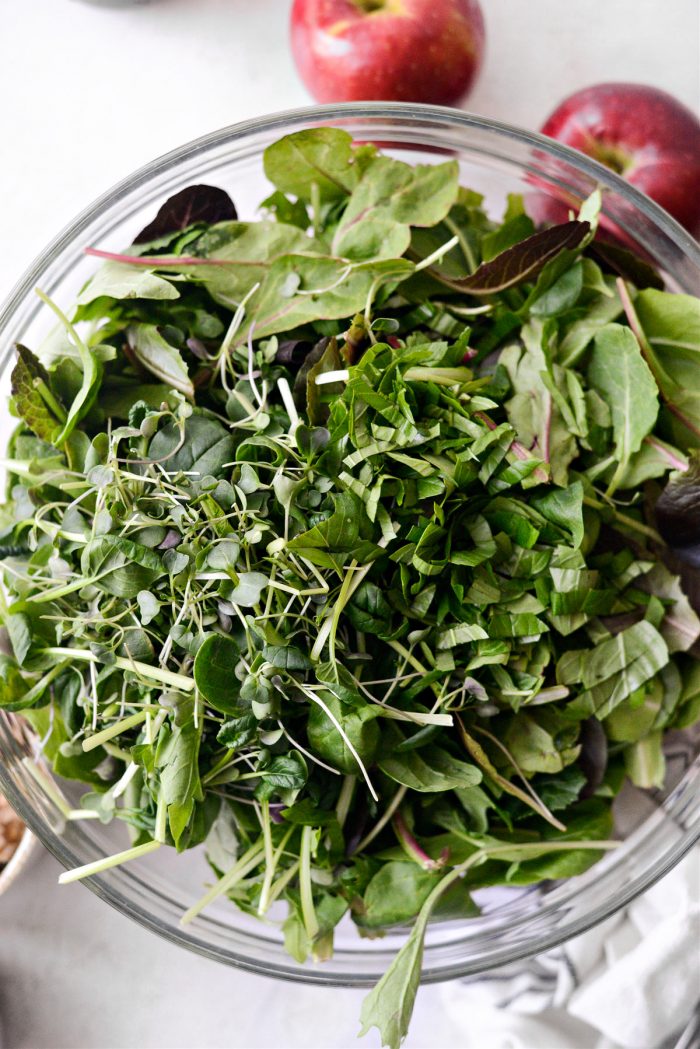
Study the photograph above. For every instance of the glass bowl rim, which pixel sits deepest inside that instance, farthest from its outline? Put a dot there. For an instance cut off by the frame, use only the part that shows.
(285, 121)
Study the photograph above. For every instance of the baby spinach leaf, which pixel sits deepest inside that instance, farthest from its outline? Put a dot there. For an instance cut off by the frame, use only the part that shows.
(671, 325)
(359, 726)
(395, 894)
(201, 451)
(214, 672)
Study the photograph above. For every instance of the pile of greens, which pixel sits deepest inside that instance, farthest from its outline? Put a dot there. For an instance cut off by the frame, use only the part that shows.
(330, 544)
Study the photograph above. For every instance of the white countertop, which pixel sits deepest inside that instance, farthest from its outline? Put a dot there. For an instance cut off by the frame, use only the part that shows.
(88, 93)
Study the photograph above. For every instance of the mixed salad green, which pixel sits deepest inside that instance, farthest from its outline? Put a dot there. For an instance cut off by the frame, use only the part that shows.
(330, 544)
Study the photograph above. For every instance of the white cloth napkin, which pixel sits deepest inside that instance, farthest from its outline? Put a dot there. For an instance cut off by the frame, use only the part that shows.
(629, 983)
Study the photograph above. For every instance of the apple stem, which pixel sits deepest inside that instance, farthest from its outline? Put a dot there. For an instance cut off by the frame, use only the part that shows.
(368, 6)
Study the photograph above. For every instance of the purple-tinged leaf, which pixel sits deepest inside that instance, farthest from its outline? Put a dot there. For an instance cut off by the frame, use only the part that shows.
(524, 260)
(193, 204)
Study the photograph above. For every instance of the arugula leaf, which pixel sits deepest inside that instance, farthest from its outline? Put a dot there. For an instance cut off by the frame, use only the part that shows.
(389, 1004)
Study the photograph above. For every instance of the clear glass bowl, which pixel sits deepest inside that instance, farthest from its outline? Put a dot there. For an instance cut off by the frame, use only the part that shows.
(496, 160)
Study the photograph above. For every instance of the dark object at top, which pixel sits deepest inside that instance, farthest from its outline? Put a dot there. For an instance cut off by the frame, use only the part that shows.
(207, 204)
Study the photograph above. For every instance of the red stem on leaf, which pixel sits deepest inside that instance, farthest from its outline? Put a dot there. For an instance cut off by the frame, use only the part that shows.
(155, 261)
(412, 847)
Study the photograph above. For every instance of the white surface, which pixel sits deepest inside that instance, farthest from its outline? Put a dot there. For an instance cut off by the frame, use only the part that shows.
(87, 94)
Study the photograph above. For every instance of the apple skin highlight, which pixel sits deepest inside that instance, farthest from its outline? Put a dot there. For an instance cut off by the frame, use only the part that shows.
(391, 50)
(644, 134)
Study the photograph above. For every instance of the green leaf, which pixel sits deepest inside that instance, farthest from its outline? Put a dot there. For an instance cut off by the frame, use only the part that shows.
(238, 732)
(617, 667)
(430, 769)
(342, 533)
(286, 657)
(43, 415)
(120, 566)
(564, 508)
(390, 198)
(645, 762)
(535, 749)
(284, 774)
(203, 450)
(321, 157)
(671, 324)
(177, 759)
(395, 894)
(359, 726)
(369, 611)
(532, 410)
(241, 255)
(389, 1005)
(619, 373)
(300, 289)
(214, 672)
(13, 688)
(159, 358)
(118, 280)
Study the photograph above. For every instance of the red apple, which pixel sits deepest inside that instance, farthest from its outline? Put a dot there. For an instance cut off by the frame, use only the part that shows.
(391, 50)
(644, 134)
